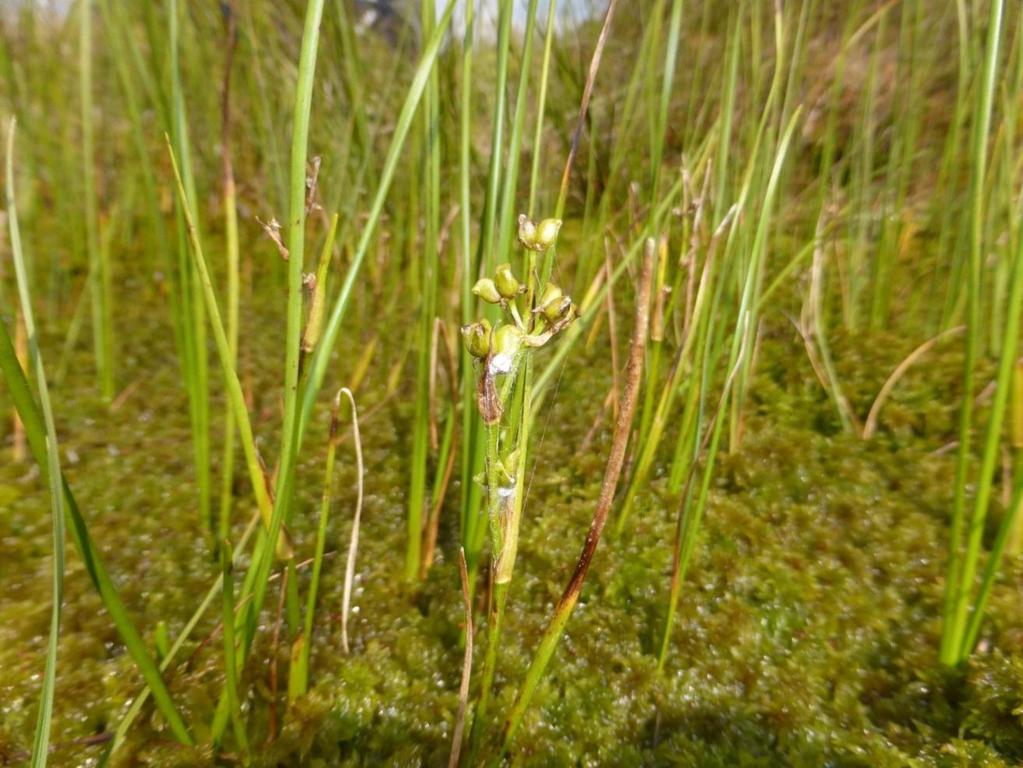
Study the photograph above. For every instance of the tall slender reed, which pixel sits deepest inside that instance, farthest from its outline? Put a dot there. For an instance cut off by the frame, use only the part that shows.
(277, 534)
(430, 266)
(950, 167)
(259, 574)
(232, 383)
(486, 257)
(296, 261)
(541, 107)
(298, 200)
(189, 289)
(1007, 363)
(509, 181)
(962, 563)
(656, 156)
(902, 158)
(320, 359)
(691, 514)
(664, 104)
(766, 131)
(99, 262)
(231, 248)
(135, 88)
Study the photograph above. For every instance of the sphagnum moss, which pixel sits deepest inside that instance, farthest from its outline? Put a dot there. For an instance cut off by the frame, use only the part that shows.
(843, 164)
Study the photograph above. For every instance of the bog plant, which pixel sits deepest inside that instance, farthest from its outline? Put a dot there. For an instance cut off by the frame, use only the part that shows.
(529, 319)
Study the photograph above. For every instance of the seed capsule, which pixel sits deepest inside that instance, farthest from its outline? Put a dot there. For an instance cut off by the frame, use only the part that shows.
(506, 283)
(527, 231)
(487, 291)
(557, 310)
(477, 338)
(546, 233)
(551, 296)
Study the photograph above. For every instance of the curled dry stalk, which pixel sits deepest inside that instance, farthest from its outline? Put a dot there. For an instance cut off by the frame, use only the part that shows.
(811, 329)
(353, 545)
(298, 675)
(870, 425)
(612, 473)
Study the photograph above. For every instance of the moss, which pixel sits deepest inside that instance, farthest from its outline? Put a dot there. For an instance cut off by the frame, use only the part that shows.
(807, 627)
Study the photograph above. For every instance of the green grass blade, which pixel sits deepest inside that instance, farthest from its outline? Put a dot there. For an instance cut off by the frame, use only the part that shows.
(35, 432)
(168, 658)
(962, 565)
(193, 329)
(296, 234)
(99, 271)
(989, 461)
(41, 740)
(321, 359)
(234, 388)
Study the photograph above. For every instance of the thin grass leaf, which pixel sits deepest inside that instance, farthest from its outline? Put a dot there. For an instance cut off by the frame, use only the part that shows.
(36, 434)
(41, 740)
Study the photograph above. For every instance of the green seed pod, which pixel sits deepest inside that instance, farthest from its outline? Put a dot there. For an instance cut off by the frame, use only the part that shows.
(546, 233)
(558, 310)
(527, 232)
(477, 338)
(486, 290)
(551, 295)
(507, 284)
